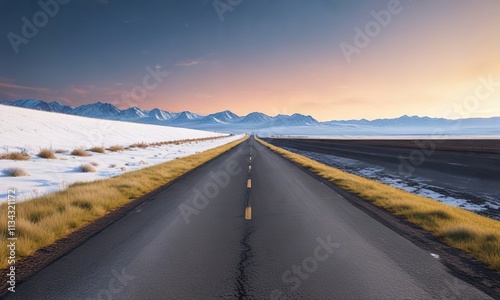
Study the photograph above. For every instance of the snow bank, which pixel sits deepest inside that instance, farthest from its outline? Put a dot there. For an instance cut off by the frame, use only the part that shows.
(33, 129)
(30, 130)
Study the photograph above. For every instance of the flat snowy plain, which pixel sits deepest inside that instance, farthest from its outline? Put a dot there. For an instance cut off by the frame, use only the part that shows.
(26, 130)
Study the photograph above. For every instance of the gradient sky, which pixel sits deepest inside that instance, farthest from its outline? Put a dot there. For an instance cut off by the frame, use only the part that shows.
(269, 56)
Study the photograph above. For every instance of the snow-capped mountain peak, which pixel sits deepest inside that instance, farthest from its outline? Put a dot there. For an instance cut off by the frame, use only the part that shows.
(225, 116)
(187, 116)
(160, 115)
(132, 113)
(96, 110)
(256, 117)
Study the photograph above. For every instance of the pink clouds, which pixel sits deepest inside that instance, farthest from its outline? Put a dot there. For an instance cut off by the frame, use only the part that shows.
(10, 86)
(15, 91)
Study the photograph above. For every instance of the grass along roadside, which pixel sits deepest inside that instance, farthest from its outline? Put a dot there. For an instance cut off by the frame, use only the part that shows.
(49, 153)
(477, 235)
(42, 221)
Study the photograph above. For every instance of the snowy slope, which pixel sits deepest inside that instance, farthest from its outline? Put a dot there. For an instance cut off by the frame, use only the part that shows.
(33, 129)
(29, 130)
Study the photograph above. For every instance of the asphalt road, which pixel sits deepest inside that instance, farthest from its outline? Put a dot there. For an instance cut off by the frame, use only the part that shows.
(192, 242)
(460, 174)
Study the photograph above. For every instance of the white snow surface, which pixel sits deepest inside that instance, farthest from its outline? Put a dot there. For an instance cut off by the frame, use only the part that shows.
(27, 128)
(30, 130)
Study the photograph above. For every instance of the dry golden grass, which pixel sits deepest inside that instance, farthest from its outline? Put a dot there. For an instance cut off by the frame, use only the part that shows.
(47, 154)
(98, 150)
(156, 144)
(42, 221)
(116, 148)
(139, 145)
(15, 172)
(80, 152)
(178, 142)
(15, 156)
(477, 235)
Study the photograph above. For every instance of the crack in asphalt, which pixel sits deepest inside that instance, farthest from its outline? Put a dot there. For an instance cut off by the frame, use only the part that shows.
(245, 260)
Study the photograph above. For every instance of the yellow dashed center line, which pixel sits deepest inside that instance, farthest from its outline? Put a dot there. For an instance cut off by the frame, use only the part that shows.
(248, 209)
(248, 213)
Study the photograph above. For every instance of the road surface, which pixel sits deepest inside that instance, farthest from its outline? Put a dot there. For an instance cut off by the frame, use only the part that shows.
(192, 242)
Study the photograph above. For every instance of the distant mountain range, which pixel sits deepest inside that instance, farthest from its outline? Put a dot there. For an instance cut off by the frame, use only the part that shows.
(228, 121)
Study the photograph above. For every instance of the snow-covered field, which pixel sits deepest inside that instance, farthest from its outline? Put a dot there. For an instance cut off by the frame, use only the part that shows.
(30, 130)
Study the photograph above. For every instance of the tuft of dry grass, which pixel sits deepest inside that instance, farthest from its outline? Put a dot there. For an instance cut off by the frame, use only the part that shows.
(80, 152)
(139, 145)
(44, 220)
(61, 151)
(15, 172)
(87, 168)
(178, 142)
(15, 156)
(477, 235)
(98, 150)
(116, 148)
(47, 154)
